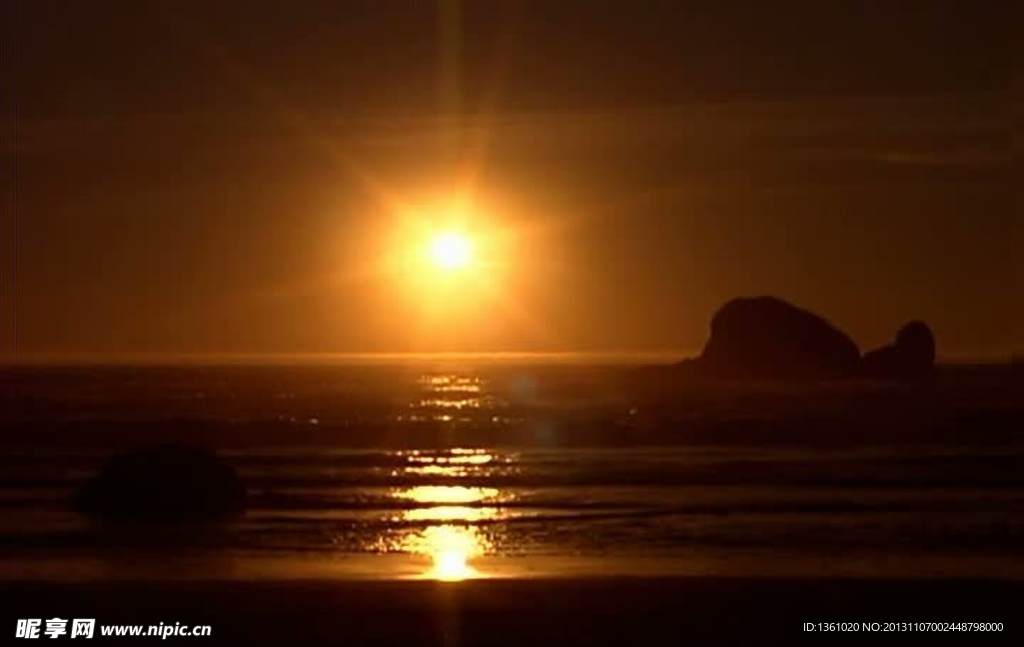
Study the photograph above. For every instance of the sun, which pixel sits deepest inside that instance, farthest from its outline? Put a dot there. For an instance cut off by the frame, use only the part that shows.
(450, 250)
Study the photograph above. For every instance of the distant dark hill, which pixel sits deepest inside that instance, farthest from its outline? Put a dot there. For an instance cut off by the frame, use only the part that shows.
(766, 337)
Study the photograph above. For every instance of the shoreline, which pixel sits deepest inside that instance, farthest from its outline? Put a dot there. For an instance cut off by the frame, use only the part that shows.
(523, 611)
(117, 567)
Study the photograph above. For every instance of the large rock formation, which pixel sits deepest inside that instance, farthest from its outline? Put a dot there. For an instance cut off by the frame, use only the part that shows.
(175, 482)
(767, 338)
(911, 356)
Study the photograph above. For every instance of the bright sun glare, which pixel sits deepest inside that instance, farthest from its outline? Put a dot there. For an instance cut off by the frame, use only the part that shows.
(450, 548)
(450, 250)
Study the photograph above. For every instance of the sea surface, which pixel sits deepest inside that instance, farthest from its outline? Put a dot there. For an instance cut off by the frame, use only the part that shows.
(454, 471)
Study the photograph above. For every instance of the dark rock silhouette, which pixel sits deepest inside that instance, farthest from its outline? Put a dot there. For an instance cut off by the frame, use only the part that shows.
(766, 337)
(911, 356)
(174, 482)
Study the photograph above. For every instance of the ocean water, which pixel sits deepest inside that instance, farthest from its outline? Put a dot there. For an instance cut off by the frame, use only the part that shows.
(451, 472)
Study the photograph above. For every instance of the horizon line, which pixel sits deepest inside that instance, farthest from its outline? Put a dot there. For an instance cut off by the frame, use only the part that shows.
(391, 357)
(200, 358)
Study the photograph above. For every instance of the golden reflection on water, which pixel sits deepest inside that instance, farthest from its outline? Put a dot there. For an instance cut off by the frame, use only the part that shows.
(454, 541)
(453, 463)
(451, 383)
(458, 459)
(473, 403)
(450, 548)
(443, 395)
(446, 494)
(449, 513)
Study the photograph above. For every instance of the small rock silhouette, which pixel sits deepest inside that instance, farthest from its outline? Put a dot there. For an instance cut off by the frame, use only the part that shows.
(173, 482)
(911, 355)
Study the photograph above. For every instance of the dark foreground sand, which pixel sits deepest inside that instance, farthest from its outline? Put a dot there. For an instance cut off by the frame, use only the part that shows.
(622, 611)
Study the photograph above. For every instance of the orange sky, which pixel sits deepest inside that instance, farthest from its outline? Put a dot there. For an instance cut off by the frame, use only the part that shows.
(196, 181)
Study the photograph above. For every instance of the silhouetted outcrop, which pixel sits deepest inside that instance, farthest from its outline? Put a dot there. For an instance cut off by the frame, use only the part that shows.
(765, 337)
(175, 482)
(911, 356)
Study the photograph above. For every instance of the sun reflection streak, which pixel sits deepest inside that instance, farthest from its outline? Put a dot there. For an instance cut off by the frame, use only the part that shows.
(448, 524)
(458, 459)
(458, 462)
(446, 494)
(452, 540)
(450, 548)
(449, 513)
